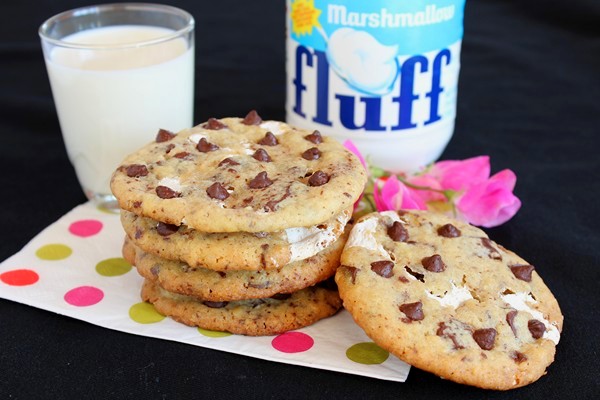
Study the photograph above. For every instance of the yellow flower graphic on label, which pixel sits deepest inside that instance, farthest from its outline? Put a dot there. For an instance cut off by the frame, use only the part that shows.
(304, 17)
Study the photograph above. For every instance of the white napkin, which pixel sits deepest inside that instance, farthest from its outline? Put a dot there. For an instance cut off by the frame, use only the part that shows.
(75, 268)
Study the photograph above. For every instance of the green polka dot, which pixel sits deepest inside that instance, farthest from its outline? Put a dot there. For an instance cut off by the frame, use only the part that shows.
(213, 334)
(145, 313)
(54, 252)
(113, 267)
(367, 353)
(107, 209)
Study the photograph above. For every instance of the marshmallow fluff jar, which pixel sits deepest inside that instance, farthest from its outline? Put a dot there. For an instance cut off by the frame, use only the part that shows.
(382, 73)
(119, 73)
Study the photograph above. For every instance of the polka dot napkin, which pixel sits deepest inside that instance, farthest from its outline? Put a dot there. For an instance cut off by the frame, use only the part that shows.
(75, 268)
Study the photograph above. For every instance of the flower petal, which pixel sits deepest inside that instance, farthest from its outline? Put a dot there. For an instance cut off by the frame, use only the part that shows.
(490, 203)
(427, 181)
(462, 174)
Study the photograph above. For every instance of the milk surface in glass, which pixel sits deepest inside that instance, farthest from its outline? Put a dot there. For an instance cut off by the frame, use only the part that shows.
(383, 73)
(112, 101)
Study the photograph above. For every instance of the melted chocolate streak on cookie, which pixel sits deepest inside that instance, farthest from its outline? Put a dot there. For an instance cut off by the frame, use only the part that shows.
(272, 204)
(418, 276)
(510, 317)
(352, 270)
(519, 357)
(441, 332)
(263, 260)
(494, 253)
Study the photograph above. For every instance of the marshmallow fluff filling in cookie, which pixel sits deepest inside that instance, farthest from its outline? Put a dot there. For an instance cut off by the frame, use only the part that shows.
(306, 242)
(254, 251)
(206, 284)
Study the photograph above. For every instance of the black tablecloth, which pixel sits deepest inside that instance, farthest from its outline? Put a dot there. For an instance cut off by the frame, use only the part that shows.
(529, 96)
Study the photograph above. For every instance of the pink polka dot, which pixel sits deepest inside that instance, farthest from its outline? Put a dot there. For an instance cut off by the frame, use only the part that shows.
(292, 342)
(84, 296)
(19, 277)
(85, 227)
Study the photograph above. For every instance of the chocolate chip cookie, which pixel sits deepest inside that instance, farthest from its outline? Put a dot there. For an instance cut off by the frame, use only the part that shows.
(206, 284)
(234, 174)
(257, 317)
(442, 296)
(232, 250)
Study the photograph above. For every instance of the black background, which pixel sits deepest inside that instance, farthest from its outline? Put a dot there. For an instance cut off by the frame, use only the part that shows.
(529, 96)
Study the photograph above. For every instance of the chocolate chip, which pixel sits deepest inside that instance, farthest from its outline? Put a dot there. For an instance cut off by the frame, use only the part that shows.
(214, 124)
(383, 268)
(413, 311)
(281, 296)
(433, 263)
(164, 135)
(510, 318)
(217, 191)
(485, 338)
(518, 357)
(271, 205)
(252, 118)
(165, 192)
(228, 162)
(269, 140)
(136, 170)
(537, 328)
(319, 178)
(418, 276)
(494, 253)
(449, 231)
(246, 202)
(311, 154)
(522, 272)
(181, 154)
(314, 137)
(215, 304)
(205, 146)
(166, 229)
(444, 331)
(352, 270)
(397, 232)
(260, 181)
(262, 155)
(169, 148)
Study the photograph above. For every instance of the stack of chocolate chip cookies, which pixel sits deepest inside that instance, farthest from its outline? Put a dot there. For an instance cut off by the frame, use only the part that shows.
(236, 223)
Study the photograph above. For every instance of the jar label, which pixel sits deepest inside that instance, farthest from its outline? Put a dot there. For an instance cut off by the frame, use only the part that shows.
(377, 67)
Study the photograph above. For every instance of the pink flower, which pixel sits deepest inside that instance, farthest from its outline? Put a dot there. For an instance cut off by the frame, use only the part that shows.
(391, 194)
(459, 175)
(491, 202)
(431, 187)
(464, 186)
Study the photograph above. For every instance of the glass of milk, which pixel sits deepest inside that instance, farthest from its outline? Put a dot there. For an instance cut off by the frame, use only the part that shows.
(119, 73)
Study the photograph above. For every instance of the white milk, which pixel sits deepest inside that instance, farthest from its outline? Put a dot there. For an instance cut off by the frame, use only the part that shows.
(111, 102)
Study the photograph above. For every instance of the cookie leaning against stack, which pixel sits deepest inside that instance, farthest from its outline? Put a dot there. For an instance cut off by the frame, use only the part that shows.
(234, 223)
(440, 295)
